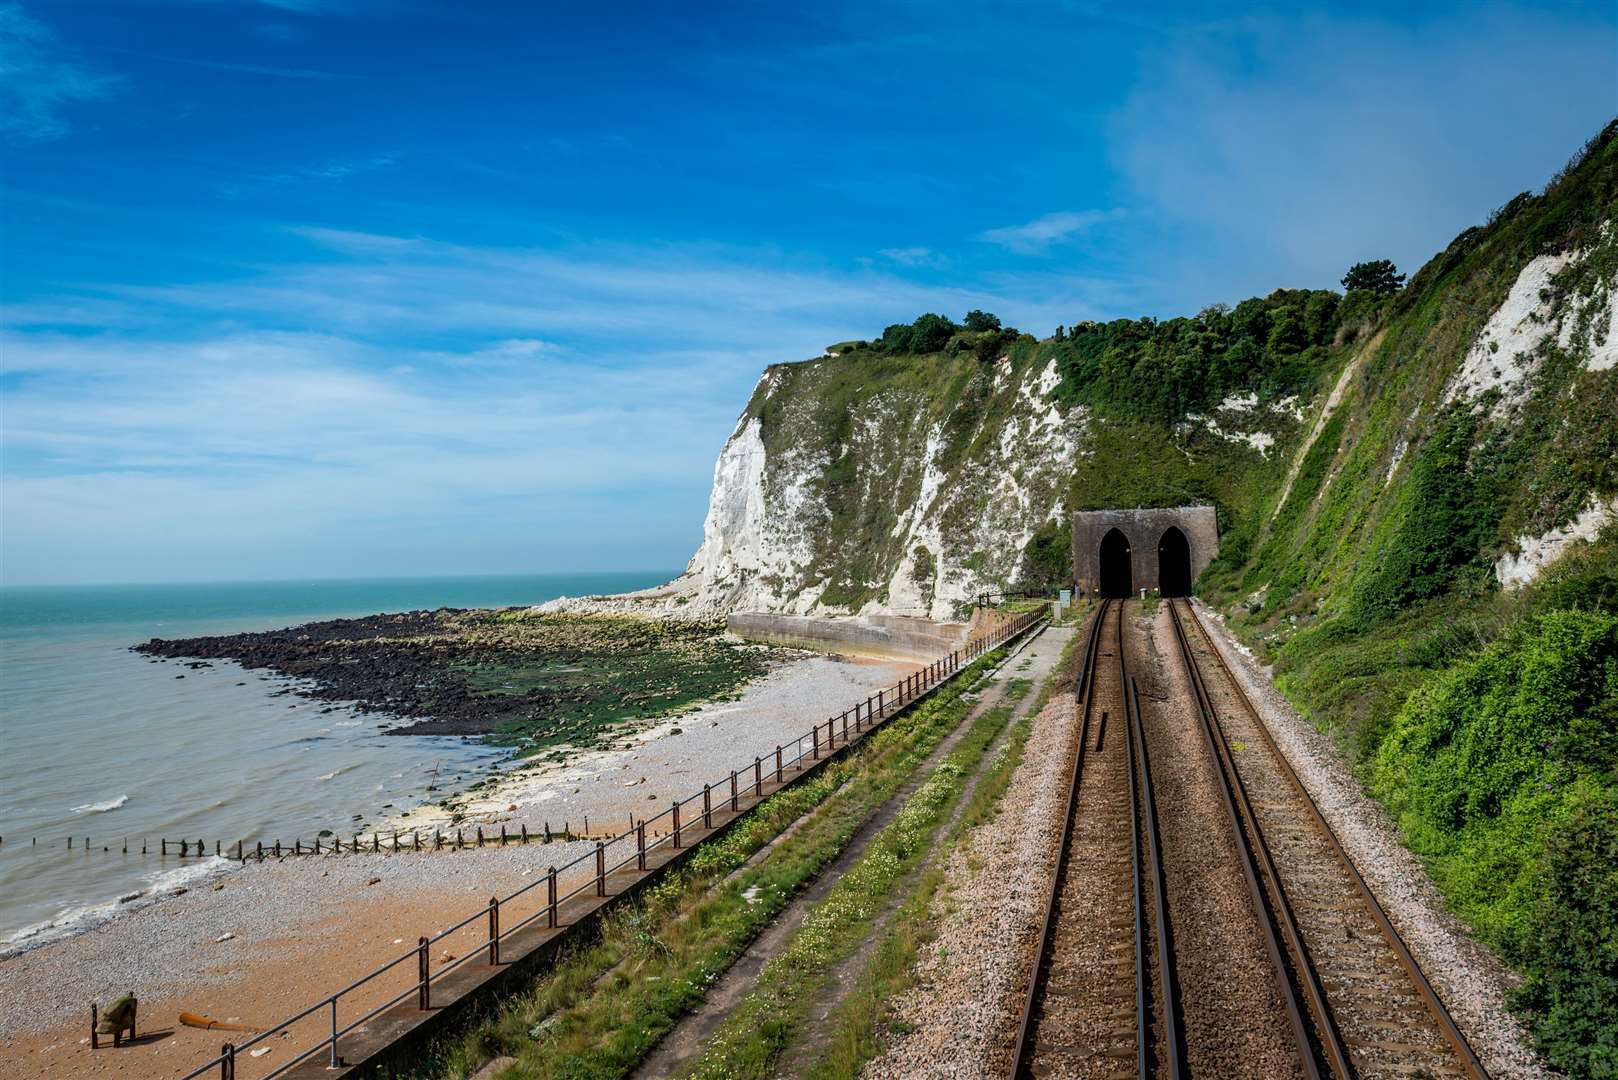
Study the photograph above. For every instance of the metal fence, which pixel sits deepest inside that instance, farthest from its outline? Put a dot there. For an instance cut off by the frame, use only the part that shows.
(542, 898)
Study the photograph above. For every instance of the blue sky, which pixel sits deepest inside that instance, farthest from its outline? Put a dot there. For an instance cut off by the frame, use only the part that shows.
(300, 288)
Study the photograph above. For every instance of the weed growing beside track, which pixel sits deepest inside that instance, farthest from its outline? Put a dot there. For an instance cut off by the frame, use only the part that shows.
(865, 1014)
(606, 1003)
(767, 1022)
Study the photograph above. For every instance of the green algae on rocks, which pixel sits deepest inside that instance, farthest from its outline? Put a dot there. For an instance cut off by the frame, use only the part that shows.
(524, 679)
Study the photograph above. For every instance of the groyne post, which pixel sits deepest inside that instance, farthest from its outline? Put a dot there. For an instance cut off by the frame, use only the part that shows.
(424, 991)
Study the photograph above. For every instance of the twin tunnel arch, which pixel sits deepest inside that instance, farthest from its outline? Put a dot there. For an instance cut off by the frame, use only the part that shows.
(1173, 564)
(1113, 550)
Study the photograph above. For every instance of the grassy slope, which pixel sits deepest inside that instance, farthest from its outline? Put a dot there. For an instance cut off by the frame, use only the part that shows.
(1484, 719)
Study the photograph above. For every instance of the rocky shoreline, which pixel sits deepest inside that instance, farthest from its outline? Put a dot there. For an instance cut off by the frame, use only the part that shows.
(528, 679)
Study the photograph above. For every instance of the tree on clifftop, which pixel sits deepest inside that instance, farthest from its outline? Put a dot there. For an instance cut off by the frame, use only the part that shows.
(979, 321)
(1380, 277)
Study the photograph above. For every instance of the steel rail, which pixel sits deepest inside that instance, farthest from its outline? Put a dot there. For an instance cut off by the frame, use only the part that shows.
(1229, 788)
(1143, 979)
(1435, 1005)
(1173, 1020)
(1146, 874)
(1085, 694)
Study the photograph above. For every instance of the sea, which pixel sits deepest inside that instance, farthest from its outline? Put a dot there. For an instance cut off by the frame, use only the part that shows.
(113, 752)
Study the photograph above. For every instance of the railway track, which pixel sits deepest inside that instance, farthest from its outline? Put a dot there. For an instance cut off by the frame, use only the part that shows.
(1102, 1000)
(1357, 1001)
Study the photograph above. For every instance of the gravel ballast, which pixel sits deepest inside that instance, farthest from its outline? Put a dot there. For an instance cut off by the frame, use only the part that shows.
(957, 1020)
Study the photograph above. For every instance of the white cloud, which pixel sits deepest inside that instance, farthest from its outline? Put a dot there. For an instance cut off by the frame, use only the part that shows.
(463, 409)
(1296, 145)
(1047, 230)
(913, 256)
(39, 79)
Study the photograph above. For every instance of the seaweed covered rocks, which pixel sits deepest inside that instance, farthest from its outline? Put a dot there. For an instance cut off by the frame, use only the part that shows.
(527, 679)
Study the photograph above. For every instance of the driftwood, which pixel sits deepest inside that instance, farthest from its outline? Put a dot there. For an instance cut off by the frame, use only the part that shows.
(206, 1024)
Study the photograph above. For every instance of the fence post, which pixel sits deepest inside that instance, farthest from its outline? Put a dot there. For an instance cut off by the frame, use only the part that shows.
(424, 991)
(814, 734)
(845, 727)
(733, 803)
(758, 778)
(550, 899)
(777, 764)
(227, 1062)
(676, 823)
(707, 807)
(880, 707)
(640, 846)
(494, 931)
(525, 832)
(601, 869)
(334, 1062)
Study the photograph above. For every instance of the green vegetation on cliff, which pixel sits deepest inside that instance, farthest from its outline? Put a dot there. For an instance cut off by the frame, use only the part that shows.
(1483, 717)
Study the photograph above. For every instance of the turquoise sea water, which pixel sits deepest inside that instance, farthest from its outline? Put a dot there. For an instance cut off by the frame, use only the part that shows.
(99, 743)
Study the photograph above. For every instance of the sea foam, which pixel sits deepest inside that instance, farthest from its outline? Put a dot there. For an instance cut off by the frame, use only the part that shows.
(101, 807)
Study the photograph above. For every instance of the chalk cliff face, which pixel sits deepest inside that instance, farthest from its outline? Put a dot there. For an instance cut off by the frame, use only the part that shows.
(907, 493)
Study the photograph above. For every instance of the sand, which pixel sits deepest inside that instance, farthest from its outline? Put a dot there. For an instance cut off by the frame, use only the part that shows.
(301, 928)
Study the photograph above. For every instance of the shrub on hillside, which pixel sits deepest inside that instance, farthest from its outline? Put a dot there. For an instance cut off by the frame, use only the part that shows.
(1379, 277)
(1446, 514)
(1572, 954)
(1501, 773)
(927, 334)
(981, 321)
(1145, 369)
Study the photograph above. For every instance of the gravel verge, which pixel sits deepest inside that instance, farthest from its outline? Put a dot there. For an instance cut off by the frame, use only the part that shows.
(957, 1019)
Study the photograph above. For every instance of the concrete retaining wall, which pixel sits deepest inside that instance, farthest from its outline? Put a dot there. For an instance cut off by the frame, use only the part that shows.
(889, 636)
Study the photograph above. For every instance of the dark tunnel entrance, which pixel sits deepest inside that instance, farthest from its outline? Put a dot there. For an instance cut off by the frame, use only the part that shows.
(1174, 563)
(1115, 577)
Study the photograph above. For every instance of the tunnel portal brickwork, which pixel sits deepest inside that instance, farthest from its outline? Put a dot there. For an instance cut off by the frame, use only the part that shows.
(1144, 530)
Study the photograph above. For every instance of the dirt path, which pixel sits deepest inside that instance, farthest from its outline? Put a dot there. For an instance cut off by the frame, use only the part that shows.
(1043, 656)
(690, 1036)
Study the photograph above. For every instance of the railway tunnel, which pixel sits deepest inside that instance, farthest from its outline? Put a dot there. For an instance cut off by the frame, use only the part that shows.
(1115, 577)
(1174, 563)
(1120, 552)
